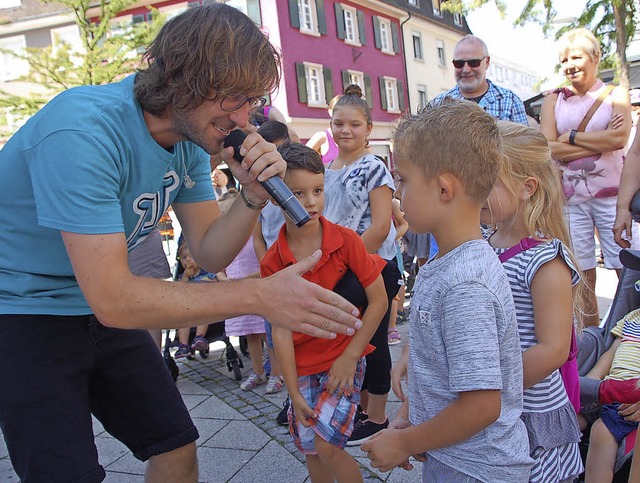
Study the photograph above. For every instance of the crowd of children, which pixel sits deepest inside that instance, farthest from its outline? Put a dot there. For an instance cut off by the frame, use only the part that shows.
(486, 362)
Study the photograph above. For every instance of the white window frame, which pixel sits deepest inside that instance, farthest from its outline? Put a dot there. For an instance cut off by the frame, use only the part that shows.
(414, 3)
(351, 33)
(442, 55)
(386, 41)
(436, 7)
(314, 79)
(311, 26)
(457, 19)
(423, 100)
(391, 93)
(357, 77)
(414, 36)
(11, 3)
(12, 68)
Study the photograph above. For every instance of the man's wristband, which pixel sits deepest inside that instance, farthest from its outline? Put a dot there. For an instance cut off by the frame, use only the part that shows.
(572, 137)
(250, 204)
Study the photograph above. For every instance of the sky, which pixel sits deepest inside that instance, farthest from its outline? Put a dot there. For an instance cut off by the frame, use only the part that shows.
(525, 46)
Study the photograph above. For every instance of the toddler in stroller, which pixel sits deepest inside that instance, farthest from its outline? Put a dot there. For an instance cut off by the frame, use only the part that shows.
(197, 339)
(612, 403)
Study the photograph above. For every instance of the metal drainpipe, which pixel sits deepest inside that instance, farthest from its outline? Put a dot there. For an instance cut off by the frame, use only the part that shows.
(404, 60)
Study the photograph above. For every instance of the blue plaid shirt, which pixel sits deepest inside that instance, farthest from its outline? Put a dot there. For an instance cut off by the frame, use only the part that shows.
(501, 103)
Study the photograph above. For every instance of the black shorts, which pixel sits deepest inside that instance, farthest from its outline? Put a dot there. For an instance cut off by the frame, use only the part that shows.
(57, 371)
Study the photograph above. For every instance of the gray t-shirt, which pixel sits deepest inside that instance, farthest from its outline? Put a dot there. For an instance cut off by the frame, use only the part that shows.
(464, 337)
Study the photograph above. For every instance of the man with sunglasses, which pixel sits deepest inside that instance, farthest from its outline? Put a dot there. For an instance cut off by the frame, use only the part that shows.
(86, 180)
(471, 61)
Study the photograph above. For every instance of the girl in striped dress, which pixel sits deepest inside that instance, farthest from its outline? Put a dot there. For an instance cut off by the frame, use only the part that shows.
(525, 211)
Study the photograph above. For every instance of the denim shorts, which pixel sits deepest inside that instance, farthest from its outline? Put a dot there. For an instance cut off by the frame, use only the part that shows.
(57, 371)
(334, 423)
(616, 424)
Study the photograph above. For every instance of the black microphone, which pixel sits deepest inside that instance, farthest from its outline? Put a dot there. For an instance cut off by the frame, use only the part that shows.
(276, 188)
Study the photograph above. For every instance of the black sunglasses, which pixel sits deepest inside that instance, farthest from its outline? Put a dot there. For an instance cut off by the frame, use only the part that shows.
(459, 63)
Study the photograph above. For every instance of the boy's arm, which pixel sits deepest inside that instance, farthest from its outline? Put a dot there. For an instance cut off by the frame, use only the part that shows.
(467, 415)
(603, 364)
(343, 369)
(285, 353)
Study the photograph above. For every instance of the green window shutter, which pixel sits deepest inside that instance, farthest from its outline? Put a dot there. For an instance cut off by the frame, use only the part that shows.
(400, 86)
(328, 84)
(395, 38)
(294, 13)
(361, 32)
(376, 32)
(368, 90)
(301, 74)
(383, 93)
(322, 19)
(345, 79)
(340, 22)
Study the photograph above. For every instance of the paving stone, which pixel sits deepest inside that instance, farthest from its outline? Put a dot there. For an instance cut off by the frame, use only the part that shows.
(191, 401)
(219, 465)
(188, 387)
(127, 464)
(272, 464)
(116, 477)
(110, 450)
(208, 427)
(216, 409)
(239, 435)
(7, 475)
(4, 452)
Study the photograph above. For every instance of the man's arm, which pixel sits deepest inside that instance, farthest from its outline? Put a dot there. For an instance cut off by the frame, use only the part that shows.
(120, 299)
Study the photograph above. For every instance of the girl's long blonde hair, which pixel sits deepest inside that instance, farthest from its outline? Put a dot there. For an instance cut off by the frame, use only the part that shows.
(527, 155)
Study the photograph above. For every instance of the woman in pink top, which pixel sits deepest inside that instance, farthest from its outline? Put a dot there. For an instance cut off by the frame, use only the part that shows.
(322, 141)
(591, 160)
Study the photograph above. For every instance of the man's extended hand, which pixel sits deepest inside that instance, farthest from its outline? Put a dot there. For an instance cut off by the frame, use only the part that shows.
(292, 302)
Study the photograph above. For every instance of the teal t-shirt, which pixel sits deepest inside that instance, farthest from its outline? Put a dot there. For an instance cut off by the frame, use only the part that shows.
(85, 163)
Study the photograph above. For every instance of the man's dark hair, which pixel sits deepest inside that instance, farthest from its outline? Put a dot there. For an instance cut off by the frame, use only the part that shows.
(273, 131)
(207, 51)
(299, 156)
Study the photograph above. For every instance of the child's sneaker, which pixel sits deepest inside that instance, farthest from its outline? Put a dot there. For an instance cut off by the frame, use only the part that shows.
(274, 385)
(183, 352)
(364, 430)
(253, 381)
(199, 343)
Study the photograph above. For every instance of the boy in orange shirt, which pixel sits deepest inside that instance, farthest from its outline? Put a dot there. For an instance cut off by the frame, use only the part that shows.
(324, 377)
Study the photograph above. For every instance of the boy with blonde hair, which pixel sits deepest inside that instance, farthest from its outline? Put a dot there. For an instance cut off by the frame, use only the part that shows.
(324, 377)
(462, 416)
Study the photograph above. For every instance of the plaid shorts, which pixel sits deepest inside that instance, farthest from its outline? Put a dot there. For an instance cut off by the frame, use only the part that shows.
(334, 423)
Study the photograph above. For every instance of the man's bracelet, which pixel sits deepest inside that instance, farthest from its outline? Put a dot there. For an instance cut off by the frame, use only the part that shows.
(250, 204)
(572, 137)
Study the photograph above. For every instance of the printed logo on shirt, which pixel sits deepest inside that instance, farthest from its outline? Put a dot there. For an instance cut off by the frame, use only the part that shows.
(424, 317)
(149, 208)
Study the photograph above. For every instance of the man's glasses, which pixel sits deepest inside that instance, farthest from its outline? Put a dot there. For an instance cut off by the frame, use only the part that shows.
(459, 63)
(233, 102)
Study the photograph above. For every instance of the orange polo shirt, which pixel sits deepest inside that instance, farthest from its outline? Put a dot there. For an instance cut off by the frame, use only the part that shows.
(342, 250)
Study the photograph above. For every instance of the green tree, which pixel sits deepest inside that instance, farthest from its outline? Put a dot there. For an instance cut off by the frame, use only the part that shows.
(614, 22)
(108, 50)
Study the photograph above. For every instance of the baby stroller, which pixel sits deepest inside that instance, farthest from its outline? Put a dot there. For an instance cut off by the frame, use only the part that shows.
(594, 341)
(215, 332)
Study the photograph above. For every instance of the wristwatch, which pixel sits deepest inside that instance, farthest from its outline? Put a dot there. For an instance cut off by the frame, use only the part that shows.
(572, 136)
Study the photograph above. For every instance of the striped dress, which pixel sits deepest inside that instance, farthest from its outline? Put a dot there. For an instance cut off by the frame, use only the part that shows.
(547, 413)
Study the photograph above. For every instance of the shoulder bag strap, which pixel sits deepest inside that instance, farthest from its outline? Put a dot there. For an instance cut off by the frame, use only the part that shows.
(594, 107)
(522, 246)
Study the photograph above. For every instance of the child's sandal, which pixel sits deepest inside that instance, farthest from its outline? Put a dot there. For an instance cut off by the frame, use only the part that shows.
(393, 337)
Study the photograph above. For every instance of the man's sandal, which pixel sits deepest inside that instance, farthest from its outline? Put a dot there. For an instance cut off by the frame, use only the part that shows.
(394, 337)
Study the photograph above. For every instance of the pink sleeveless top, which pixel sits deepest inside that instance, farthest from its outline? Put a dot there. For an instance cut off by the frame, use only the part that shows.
(596, 176)
(332, 150)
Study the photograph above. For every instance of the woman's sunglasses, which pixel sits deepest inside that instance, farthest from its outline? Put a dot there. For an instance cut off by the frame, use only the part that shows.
(459, 63)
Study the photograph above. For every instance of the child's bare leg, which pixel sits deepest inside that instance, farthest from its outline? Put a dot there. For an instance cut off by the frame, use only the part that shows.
(275, 367)
(156, 335)
(601, 458)
(201, 330)
(183, 335)
(317, 471)
(254, 341)
(376, 407)
(340, 463)
(582, 422)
